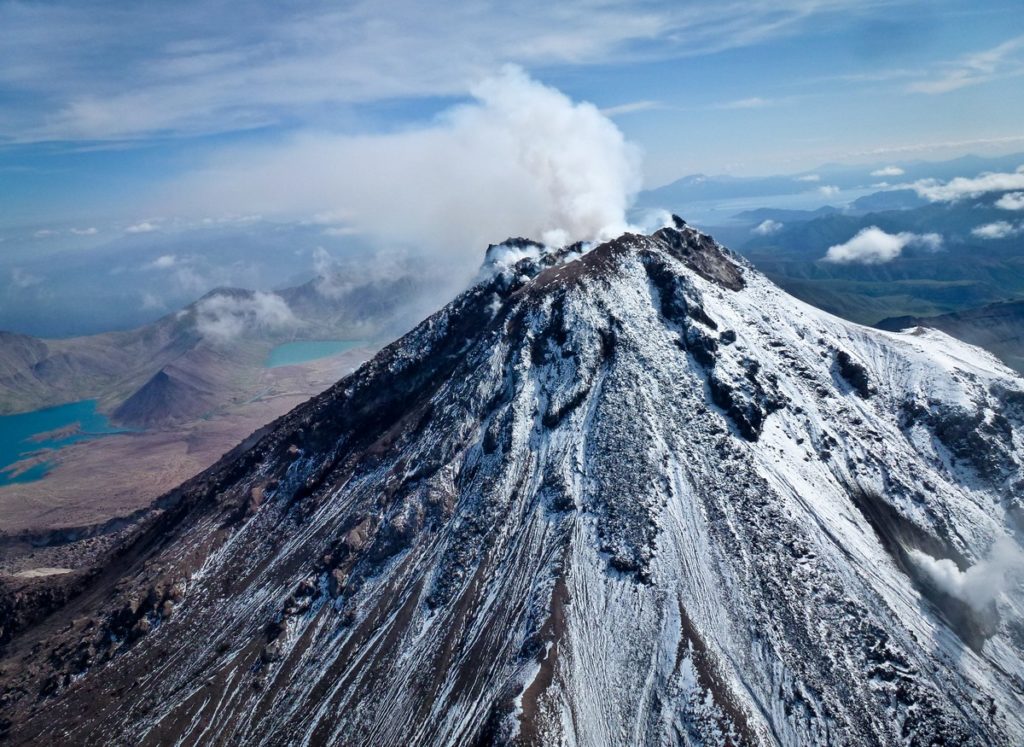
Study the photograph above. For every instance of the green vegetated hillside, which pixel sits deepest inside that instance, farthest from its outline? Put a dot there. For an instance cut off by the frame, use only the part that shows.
(966, 272)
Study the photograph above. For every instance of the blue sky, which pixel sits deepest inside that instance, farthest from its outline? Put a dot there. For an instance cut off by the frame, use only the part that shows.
(109, 110)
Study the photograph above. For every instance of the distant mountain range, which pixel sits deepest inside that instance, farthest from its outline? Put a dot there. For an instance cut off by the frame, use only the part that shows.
(702, 188)
(997, 327)
(967, 271)
(186, 363)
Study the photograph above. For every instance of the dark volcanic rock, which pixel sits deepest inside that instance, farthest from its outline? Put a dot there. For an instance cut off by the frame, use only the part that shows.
(567, 508)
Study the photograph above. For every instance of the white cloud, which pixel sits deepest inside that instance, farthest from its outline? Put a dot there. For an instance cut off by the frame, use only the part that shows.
(960, 187)
(143, 227)
(91, 231)
(979, 67)
(1011, 201)
(630, 108)
(872, 246)
(203, 67)
(163, 262)
(809, 178)
(767, 227)
(828, 190)
(999, 230)
(23, 279)
(224, 317)
(754, 102)
(982, 583)
(152, 302)
(340, 231)
(888, 171)
(44, 233)
(522, 159)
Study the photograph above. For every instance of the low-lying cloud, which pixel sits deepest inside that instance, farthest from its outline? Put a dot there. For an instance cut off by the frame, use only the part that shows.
(1000, 229)
(888, 171)
(163, 262)
(767, 227)
(224, 317)
(981, 584)
(873, 246)
(23, 279)
(963, 187)
(1011, 201)
(520, 159)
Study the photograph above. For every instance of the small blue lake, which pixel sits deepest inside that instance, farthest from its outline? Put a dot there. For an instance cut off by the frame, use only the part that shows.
(51, 428)
(303, 351)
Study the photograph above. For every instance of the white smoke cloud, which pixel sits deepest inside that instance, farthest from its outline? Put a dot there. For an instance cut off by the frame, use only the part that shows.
(960, 187)
(224, 317)
(888, 171)
(982, 583)
(872, 246)
(829, 190)
(336, 277)
(521, 159)
(1001, 229)
(1011, 201)
(767, 227)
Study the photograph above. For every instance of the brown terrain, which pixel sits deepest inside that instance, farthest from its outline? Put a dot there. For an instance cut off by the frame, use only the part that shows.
(55, 531)
(93, 482)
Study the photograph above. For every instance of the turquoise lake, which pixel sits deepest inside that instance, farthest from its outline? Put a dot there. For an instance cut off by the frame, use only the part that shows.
(16, 432)
(292, 353)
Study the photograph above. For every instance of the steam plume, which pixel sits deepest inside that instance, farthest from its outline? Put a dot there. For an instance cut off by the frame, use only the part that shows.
(980, 584)
(520, 159)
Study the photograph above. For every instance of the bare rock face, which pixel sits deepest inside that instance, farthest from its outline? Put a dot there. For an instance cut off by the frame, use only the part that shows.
(630, 495)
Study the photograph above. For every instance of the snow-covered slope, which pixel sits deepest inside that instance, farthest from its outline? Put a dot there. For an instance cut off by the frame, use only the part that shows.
(637, 495)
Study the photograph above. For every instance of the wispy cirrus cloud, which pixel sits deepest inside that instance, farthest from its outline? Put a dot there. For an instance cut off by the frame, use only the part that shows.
(631, 107)
(753, 102)
(195, 67)
(1004, 59)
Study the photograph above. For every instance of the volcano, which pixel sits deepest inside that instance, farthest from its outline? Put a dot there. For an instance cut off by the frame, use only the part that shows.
(632, 494)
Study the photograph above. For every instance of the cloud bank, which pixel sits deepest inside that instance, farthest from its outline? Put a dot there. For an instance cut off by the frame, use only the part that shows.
(982, 583)
(520, 159)
(962, 187)
(873, 246)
